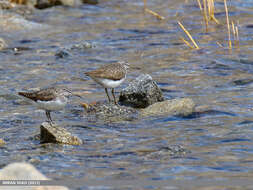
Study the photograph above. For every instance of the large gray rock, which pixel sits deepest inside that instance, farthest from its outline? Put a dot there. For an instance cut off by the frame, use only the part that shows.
(24, 171)
(55, 134)
(181, 106)
(141, 92)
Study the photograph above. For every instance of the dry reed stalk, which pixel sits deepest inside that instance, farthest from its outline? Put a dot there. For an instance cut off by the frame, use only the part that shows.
(212, 17)
(189, 35)
(209, 6)
(205, 14)
(145, 4)
(155, 14)
(234, 34)
(237, 35)
(228, 25)
(187, 43)
(200, 6)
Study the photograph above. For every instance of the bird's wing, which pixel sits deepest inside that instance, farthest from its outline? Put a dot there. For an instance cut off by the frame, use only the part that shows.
(42, 95)
(111, 71)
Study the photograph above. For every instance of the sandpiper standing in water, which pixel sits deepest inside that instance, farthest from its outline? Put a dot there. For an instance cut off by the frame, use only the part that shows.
(49, 99)
(110, 76)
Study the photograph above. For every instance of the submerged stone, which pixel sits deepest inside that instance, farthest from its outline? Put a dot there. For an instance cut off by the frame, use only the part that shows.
(56, 134)
(82, 46)
(62, 53)
(166, 152)
(242, 82)
(181, 106)
(92, 2)
(66, 51)
(3, 44)
(141, 92)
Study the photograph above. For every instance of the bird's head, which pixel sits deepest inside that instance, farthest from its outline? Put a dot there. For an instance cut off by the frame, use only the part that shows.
(67, 93)
(125, 64)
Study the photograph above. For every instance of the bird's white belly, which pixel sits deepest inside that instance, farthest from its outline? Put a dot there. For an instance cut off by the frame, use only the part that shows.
(53, 105)
(107, 83)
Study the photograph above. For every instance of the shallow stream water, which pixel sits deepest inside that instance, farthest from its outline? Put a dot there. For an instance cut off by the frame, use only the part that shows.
(219, 143)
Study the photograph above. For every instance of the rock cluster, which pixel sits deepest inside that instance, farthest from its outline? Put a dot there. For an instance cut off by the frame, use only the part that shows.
(66, 51)
(141, 93)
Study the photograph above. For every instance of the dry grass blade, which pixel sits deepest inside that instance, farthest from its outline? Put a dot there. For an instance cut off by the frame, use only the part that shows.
(228, 25)
(145, 4)
(212, 17)
(189, 35)
(209, 5)
(237, 35)
(187, 43)
(205, 14)
(200, 6)
(154, 14)
(234, 34)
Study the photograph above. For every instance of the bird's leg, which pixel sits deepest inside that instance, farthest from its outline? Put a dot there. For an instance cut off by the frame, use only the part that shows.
(107, 95)
(49, 117)
(114, 97)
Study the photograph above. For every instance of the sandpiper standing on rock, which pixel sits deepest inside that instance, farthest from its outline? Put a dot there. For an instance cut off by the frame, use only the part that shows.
(49, 99)
(110, 76)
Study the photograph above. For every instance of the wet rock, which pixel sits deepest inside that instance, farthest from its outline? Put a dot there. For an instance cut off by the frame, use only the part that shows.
(82, 46)
(24, 171)
(11, 21)
(181, 106)
(66, 51)
(109, 111)
(3, 44)
(141, 92)
(166, 152)
(62, 53)
(2, 142)
(92, 2)
(55, 134)
(243, 81)
(42, 4)
(5, 4)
